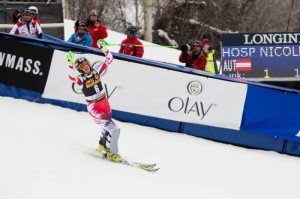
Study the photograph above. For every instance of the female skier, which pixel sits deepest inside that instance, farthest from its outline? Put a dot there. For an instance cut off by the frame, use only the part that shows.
(97, 103)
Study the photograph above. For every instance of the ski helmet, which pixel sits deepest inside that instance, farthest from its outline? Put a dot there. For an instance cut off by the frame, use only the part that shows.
(132, 31)
(80, 63)
(34, 10)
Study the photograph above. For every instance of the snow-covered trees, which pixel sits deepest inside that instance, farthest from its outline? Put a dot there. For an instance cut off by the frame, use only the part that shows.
(185, 20)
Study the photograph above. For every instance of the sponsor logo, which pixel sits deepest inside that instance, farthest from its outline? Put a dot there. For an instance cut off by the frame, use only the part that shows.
(22, 64)
(191, 105)
(109, 92)
(194, 88)
(272, 38)
(92, 81)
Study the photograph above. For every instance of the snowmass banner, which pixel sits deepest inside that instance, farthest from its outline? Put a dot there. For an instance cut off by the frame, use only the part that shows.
(24, 65)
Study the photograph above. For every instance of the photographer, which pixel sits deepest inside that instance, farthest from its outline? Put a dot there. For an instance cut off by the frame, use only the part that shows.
(193, 58)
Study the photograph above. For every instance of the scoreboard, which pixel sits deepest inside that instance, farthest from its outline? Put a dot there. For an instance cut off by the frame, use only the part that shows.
(261, 56)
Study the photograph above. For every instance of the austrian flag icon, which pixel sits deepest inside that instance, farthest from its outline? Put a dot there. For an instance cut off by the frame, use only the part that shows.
(243, 64)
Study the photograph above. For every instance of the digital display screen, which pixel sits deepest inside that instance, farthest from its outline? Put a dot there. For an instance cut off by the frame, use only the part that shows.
(261, 56)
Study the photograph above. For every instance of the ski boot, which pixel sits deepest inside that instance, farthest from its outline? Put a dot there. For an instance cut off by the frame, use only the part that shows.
(106, 142)
(108, 155)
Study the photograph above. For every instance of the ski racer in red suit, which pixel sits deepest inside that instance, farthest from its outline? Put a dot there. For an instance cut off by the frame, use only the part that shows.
(98, 106)
(96, 29)
(131, 45)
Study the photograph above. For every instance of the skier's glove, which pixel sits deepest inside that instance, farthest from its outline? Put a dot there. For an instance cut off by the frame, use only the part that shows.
(102, 45)
(70, 57)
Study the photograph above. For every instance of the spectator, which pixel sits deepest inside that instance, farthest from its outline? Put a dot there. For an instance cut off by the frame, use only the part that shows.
(16, 15)
(82, 36)
(194, 58)
(26, 27)
(209, 53)
(131, 45)
(96, 29)
(35, 13)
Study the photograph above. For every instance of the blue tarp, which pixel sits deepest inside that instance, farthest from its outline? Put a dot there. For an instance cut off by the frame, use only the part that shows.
(272, 112)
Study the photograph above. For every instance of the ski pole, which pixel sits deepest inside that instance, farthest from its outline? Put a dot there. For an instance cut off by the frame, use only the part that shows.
(145, 45)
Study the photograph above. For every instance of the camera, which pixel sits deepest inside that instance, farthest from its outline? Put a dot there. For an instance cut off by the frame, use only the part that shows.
(185, 47)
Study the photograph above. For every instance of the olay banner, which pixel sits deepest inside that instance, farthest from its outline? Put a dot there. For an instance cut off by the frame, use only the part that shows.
(23, 65)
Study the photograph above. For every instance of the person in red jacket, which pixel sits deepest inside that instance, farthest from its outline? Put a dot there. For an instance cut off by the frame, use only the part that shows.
(131, 45)
(194, 58)
(96, 29)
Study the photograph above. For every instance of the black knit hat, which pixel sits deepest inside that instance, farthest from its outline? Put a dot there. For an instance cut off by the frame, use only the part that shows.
(83, 25)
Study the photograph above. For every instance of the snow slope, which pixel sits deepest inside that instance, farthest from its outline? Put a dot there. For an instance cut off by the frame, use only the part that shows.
(46, 151)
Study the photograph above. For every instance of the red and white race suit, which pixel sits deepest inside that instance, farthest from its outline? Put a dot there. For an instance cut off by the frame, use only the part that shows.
(32, 29)
(97, 103)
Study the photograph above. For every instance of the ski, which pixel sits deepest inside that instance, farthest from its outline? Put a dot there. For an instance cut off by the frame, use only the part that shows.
(144, 166)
